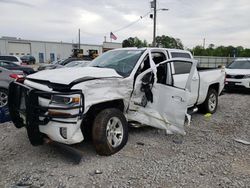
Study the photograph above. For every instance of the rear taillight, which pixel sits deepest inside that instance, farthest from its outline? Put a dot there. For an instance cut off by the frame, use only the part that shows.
(17, 77)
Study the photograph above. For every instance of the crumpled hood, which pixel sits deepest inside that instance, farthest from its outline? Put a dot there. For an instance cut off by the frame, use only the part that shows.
(238, 71)
(67, 75)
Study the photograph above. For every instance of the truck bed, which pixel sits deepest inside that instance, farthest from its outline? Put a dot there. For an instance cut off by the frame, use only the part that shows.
(206, 68)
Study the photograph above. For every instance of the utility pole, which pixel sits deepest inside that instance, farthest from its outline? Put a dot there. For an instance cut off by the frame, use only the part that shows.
(204, 43)
(154, 6)
(79, 39)
(154, 32)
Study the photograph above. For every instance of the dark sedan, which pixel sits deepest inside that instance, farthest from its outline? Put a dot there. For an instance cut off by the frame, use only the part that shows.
(12, 66)
(57, 64)
(28, 59)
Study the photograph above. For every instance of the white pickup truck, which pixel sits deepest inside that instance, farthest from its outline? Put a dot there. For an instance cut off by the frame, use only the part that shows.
(129, 86)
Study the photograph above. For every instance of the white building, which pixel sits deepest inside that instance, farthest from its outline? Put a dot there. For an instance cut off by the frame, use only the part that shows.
(45, 51)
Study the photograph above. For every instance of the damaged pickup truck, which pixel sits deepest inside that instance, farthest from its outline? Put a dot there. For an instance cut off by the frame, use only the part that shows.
(129, 86)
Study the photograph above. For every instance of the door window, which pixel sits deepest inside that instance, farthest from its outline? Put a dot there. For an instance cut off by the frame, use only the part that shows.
(180, 55)
(182, 67)
(4, 64)
(157, 57)
(181, 73)
(162, 74)
(8, 58)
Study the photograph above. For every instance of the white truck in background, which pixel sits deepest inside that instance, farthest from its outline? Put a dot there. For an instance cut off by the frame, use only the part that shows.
(136, 86)
(238, 74)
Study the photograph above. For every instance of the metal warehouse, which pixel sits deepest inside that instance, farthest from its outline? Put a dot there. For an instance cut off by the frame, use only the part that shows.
(45, 51)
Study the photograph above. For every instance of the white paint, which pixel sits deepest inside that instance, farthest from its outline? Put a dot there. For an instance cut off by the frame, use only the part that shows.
(66, 76)
(167, 111)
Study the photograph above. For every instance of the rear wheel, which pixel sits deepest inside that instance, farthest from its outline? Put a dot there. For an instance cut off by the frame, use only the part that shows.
(3, 97)
(211, 102)
(110, 131)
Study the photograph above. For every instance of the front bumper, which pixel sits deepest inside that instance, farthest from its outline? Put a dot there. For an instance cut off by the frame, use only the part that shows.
(237, 83)
(30, 108)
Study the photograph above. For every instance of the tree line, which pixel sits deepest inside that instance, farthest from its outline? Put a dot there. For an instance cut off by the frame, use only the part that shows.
(171, 42)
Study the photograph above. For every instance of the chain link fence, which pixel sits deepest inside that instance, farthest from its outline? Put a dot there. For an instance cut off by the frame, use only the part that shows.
(213, 62)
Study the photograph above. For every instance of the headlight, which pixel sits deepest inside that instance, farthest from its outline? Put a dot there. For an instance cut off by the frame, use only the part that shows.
(73, 100)
(247, 76)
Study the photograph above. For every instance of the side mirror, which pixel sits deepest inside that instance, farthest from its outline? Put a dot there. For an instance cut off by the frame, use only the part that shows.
(148, 78)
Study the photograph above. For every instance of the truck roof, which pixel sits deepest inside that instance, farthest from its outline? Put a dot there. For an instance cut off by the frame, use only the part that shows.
(242, 58)
(153, 48)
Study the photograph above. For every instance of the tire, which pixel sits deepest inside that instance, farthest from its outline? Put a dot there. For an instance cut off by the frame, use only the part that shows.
(3, 97)
(103, 133)
(211, 102)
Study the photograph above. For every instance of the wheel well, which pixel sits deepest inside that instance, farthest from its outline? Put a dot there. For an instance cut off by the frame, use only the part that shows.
(109, 104)
(215, 86)
(95, 109)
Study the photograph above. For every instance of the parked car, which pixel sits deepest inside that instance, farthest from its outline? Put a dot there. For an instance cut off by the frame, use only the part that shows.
(77, 64)
(144, 86)
(57, 64)
(12, 66)
(238, 74)
(12, 58)
(28, 59)
(6, 77)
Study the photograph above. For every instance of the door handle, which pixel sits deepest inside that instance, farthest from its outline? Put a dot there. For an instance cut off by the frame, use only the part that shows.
(178, 98)
(194, 79)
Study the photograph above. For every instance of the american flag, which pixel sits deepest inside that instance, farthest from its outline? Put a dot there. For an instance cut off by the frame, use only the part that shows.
(112, 36)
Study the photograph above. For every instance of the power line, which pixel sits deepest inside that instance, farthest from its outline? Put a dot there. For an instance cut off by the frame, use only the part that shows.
(121, 28)
(132, 23)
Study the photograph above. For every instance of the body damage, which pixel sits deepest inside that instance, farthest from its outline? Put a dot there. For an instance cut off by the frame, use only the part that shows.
(137, 107)
(100, 90)
(161, 112)
(154, 104)
(95, 91)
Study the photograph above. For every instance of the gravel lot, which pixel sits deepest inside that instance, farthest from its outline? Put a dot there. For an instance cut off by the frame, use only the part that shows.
(207, 156)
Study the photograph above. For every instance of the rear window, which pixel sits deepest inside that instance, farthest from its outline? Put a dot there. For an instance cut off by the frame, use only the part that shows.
(8, 58)
(180, 55)
(182, 67)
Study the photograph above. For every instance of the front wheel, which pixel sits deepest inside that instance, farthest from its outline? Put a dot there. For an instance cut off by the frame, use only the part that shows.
(3, 97)
(110, 131)
(211, 102)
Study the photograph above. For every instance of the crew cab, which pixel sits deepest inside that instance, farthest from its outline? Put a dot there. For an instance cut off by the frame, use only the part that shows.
(128, 86)
(238, 74)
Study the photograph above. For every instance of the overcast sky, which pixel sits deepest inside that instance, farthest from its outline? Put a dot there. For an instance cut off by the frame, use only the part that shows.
(221, 22)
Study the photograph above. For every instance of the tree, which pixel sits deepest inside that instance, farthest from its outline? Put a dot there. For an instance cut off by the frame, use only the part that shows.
(211, 46)
(223, 51)
(246, 53)
(134, 42)
(168, 42)
(198, 51)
